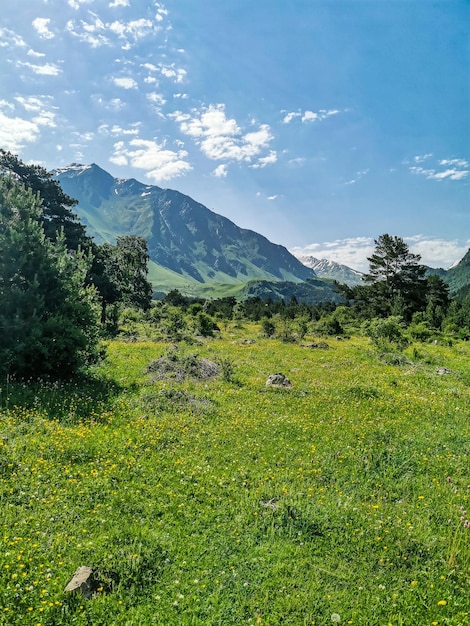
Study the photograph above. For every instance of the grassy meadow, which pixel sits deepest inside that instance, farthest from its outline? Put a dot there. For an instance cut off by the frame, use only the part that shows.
(219, 501)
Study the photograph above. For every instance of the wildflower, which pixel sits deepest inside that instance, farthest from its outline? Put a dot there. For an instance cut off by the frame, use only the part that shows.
(336, 618)
(442, 603)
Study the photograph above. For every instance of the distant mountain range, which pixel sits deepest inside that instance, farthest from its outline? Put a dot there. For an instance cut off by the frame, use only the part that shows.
(330, 269)
(200, 252)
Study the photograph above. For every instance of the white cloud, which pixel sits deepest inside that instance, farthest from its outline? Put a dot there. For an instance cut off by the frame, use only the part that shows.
(125, 83)
(98, 33)
(422, 157)
(358, 175)
(9, 38)
(267, 160)
(169, 71)
(31, 103)
(48, 69)
(119, 3)
(436, 252)
(440, 170)
(40, 25)
(90, 32)
(309, 116)
(289, 117)
(15, 132)
(33, 53)
(221, 138)
(156, 98)
(75, 4)
(7, 105)
(135, 28)
(353, 252)
(220, 171)
(456, 162)
(45, 118)
(117, 130)
(160, 163)
(451, 174)
(161, 11)
(273, 197)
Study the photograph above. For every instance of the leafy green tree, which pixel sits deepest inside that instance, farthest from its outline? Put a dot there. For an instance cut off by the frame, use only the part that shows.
(48, 319)
(396, 279)
(55, 212)
(119, 272)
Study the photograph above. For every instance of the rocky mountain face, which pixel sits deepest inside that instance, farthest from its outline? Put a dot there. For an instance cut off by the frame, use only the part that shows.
(187, 242)
(329, 269)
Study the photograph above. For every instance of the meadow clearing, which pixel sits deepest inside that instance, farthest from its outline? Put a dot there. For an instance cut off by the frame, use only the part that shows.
(218, 501)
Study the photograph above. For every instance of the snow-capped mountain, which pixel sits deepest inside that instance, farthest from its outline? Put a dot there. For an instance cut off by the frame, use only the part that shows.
(330, 269)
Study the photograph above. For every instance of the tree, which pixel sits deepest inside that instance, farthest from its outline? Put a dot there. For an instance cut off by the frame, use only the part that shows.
(55, 211)
(397, 283)
(119, 272)
(48, 319)
(437, 300)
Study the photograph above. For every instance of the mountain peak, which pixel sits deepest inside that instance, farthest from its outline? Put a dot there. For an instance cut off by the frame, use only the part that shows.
(324, 268)
(187, 242)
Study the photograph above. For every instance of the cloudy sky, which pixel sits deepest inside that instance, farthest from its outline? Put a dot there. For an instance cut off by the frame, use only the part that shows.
(320, 124)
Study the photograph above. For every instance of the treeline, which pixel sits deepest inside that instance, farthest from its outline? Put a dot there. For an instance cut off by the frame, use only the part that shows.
(61, 293)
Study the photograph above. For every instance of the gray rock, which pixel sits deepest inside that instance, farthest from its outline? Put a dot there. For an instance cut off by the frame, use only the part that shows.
(278, 380)
(82, 582)
(442, 371)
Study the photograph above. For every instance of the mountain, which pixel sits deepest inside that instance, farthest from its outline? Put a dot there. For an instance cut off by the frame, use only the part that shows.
(188, 244)
(458, 276)
(330, 269)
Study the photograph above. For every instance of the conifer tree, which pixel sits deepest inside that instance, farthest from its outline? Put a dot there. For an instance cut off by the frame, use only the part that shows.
(396, 278)
(55, 211)
(48, 319)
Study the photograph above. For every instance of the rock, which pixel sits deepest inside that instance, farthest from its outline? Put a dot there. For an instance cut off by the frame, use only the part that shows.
(321, 344)
(443, 370)
(82, 581)
(278, 380)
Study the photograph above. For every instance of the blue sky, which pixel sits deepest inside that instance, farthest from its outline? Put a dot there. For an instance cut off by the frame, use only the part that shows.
(320, 124)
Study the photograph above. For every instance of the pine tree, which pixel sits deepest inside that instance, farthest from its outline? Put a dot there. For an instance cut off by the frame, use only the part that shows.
(48, 319)
(55, 213)
(396, 278)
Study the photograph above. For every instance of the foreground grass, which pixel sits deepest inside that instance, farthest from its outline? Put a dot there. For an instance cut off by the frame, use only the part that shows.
(222, 502)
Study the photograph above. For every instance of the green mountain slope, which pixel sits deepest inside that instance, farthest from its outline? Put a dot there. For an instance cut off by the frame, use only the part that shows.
(459, 276)
(188, 243)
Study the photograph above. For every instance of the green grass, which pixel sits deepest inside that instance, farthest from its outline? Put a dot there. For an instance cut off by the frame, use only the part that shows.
(223, 502)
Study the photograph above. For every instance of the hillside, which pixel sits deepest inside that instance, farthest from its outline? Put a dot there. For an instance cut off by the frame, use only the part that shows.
(458, 276)
(188, 243)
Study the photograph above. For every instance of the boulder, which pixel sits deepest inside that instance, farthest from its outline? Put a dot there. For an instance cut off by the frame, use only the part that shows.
(278, 380)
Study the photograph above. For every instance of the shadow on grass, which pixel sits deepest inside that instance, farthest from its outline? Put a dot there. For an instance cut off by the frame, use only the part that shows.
(86, 396)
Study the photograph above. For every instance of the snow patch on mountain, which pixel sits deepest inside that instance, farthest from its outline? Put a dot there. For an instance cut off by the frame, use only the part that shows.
(330, 269)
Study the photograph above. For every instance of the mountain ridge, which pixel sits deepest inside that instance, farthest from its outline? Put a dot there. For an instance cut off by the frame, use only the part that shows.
(188, 243)
(324, 268)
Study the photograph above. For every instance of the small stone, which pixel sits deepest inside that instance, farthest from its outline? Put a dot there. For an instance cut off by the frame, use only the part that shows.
(442, 371)
(82, 581)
